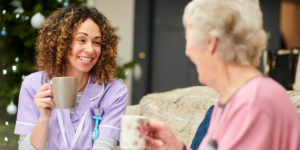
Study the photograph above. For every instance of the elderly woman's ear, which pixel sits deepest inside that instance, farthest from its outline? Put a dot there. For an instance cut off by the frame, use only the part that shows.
(213, 45)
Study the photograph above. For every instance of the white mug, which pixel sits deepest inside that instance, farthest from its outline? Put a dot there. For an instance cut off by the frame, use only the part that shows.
(133, 132)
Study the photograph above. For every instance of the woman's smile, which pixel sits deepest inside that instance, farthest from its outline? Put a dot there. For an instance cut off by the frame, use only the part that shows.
(85, 60)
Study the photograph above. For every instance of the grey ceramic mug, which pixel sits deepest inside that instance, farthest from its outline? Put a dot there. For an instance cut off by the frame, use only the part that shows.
(65, 92)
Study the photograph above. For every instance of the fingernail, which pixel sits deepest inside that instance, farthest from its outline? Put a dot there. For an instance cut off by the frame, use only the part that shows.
(160, 143)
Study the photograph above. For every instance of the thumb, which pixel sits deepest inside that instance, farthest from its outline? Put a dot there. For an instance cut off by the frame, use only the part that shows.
(50, 82)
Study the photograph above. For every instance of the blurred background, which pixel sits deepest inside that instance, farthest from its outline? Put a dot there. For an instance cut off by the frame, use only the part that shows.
(151, 49)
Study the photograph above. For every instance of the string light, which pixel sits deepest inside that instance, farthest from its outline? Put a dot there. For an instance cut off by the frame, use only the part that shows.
(66, 4)
(23, 77)
(4, 32)
(18, 15)
(4, 11)
(17, 59)
(6, 123)
(26, 18)
(14, 68)
(6, 139)
(4, 71)
(142, 55)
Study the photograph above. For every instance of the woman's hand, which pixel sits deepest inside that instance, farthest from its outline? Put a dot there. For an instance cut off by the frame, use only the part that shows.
(43, 101)
(160, 137)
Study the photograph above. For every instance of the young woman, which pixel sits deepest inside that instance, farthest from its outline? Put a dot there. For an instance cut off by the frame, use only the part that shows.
(73, 42)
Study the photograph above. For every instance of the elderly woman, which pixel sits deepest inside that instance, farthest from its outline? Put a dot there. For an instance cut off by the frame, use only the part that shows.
(73, 42)
(225, 39)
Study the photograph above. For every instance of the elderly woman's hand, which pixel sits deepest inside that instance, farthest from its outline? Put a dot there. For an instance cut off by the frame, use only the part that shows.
(160, 137)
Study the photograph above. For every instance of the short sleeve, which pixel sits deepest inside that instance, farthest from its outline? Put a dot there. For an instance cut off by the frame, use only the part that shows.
(111, 120)
(249, 127)
(28, 113)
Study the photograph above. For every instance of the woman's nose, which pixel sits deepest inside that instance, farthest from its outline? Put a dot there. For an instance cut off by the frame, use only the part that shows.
(89, 48)
(187, 52)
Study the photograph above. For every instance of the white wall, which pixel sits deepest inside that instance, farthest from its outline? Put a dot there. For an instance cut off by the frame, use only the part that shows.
(120, 13)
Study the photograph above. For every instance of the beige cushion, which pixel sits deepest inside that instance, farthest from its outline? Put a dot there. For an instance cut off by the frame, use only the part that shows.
(133, 110)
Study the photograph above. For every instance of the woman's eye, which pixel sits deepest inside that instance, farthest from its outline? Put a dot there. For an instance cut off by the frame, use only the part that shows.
(98, 43)
(81, 40)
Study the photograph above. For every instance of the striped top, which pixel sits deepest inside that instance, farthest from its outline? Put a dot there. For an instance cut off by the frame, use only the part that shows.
(72, 111)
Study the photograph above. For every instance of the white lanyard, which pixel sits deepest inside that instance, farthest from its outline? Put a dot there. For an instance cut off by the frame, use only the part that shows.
(62, 129)
(78, 130)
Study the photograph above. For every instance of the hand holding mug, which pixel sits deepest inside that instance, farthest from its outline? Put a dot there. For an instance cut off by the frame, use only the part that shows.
(43, 101)
(161, 137)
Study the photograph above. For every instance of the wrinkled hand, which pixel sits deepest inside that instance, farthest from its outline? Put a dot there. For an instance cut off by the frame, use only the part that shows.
(161, 137)
(43, 101)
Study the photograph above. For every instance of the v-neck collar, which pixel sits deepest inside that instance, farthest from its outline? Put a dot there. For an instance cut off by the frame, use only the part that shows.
(91, 92)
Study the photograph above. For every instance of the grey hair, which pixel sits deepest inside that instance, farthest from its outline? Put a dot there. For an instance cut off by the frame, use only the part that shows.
(237, 24)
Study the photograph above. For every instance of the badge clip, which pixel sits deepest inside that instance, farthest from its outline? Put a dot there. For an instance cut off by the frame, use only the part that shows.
(95, 132)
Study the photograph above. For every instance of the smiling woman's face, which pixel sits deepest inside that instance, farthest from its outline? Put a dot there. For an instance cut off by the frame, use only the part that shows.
(86, 47)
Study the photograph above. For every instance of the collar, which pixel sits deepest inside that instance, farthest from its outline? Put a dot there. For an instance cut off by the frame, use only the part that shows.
(91, 92)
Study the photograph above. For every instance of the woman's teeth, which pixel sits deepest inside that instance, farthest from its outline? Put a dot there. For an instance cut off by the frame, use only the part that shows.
(85, 59)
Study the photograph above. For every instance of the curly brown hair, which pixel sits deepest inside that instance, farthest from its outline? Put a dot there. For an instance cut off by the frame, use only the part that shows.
(56, 37)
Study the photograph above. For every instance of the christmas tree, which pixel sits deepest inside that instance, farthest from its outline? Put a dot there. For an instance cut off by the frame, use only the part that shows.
(19, 21)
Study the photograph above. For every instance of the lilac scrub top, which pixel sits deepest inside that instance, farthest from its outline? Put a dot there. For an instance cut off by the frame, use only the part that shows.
(113, 101)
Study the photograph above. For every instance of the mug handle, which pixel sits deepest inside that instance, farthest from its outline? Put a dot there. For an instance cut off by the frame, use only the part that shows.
(50, 83)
